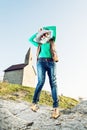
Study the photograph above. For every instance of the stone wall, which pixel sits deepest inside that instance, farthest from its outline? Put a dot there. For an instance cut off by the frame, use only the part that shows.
(29, 76)
(14, 76)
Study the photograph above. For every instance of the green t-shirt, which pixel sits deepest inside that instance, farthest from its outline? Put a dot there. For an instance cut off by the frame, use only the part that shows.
(45, 48)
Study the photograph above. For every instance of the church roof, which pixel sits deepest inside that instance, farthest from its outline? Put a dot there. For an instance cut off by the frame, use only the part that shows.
(15, 67)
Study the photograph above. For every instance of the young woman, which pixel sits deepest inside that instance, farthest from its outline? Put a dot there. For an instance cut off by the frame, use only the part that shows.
(44, 41)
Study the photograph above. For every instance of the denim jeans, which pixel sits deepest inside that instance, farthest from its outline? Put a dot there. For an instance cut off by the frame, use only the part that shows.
(44, 66)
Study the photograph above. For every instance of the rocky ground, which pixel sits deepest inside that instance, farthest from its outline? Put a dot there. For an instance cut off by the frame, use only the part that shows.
(16, 115)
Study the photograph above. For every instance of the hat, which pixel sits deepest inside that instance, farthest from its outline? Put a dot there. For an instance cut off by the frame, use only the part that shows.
(41, 33)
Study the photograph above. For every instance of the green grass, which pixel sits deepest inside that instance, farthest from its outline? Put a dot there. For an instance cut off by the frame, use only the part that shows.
(18, 92)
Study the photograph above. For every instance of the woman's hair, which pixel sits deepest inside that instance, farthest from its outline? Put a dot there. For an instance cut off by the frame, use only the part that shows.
(52, 39)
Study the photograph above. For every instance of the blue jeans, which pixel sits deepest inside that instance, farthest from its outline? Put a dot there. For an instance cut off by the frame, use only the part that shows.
(44, 66)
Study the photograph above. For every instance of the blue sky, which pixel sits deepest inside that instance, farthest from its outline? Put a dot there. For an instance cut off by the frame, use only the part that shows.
(19, 19)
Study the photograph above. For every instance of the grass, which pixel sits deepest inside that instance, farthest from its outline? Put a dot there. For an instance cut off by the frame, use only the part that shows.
(18, 92)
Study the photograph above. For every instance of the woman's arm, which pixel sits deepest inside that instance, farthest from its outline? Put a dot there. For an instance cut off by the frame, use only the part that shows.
(53, 28)
(31, 39)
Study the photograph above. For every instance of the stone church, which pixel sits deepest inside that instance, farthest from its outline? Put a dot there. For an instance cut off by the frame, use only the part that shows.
(23, 74)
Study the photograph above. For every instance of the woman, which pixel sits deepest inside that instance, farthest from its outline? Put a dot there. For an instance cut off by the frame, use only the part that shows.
(44, 41)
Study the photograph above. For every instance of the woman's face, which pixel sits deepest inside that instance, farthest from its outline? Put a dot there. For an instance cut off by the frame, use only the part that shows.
(45, 35)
